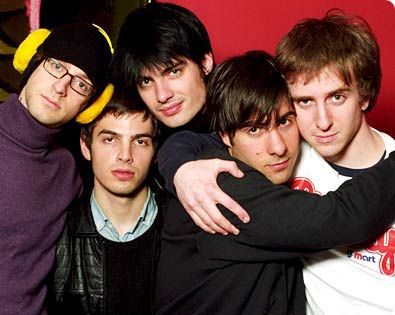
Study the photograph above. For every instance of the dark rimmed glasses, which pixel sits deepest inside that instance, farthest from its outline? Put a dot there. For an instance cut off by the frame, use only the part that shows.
(57, 70)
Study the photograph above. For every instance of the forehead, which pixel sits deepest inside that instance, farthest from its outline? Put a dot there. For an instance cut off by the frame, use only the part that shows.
(326, 79)
(281, 108)
(125, 124)
(161, 69)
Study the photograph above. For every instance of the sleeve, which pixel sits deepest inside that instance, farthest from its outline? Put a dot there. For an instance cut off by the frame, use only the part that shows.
(287, 223)
(181, 148)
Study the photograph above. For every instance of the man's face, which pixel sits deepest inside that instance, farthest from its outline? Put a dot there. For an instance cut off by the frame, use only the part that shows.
(52, 101)
(121, 153)
(175, 95)
(329, 113)
(271, 150)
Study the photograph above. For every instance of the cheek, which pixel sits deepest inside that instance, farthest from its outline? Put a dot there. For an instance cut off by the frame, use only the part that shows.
(196, 86)
(251, 151)
(293, 140)
(99, 167)
(144, 160)
(102, 156)
(304, 122)
(75, 109)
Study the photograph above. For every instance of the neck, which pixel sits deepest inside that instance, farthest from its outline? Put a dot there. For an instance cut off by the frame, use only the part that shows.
(122, 210)
(363, 151)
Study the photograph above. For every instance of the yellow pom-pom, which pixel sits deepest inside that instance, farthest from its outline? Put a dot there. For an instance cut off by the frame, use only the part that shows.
(28, 48)
(86, 116)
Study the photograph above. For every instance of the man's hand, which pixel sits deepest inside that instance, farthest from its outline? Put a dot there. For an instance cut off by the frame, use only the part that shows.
(196, 186)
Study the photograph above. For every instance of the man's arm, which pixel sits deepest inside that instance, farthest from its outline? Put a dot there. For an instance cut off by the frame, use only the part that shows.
(181, 148)
(288, 223)
(196, 181)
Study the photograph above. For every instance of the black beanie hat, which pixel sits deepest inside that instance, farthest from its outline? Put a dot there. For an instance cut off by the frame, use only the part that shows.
(81, 44)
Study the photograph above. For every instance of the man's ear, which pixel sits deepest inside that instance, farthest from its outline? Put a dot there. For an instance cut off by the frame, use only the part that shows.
(365, 104)
(208, 63)
(85, 150)
(226, 139)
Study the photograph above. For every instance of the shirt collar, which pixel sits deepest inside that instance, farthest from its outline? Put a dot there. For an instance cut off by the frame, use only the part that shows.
(146, 214)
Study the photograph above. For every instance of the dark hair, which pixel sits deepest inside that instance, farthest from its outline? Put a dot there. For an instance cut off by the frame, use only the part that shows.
(244, 90)
(343, 42)
(120, 107)
(155, 36)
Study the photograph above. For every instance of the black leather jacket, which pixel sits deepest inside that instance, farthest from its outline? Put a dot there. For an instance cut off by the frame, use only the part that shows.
(76, 285)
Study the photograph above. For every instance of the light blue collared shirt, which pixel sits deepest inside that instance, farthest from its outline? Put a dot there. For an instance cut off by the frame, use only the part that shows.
(144, 222)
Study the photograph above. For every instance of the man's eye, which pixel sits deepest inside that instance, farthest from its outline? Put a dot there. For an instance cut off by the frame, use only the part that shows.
(338, 98)
(144, 82)
(56, 66)
(109, 139)
(142, 142)
(254, 130)
(284, 121)
(303, 102)
(82, 85)
(175, 72)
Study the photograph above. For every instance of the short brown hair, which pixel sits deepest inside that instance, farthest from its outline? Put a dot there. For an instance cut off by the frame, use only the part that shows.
(343, 42)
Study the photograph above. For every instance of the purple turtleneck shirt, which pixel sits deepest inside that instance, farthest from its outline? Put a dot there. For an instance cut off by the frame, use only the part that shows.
(37, 183)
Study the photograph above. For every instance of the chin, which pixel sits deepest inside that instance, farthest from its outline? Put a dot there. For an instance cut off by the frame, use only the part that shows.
(278, 180)
(177, 122)
(330, 155)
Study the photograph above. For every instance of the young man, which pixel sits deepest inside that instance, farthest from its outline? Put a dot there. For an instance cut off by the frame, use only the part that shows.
(197, 271)
(105, 256)
(168, 64)
(331, 95)
(333, 71)
(39, 179)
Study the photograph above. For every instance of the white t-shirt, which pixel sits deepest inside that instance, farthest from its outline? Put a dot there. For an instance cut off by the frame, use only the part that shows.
(350, 280)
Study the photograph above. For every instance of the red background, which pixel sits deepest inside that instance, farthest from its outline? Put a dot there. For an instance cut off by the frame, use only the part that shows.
(236, 26)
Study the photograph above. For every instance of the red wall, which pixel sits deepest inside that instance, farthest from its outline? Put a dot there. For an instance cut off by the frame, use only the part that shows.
(236, 26)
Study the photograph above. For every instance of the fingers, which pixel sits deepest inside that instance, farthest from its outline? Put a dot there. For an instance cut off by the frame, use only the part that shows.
(234, 207)
(203, 220)
(200, 223)
(197, 190)
(230, 167)
(219, 220)
(211, 219)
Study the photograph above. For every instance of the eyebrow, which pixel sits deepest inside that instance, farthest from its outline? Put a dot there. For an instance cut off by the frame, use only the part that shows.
(177, 64)
(340, 90)
(287, 114)
(113, 133)
(162, 72)
(81, 75)
(330, 93)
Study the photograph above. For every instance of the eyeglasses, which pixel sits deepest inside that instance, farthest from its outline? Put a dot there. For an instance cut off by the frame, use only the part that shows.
(57, 70)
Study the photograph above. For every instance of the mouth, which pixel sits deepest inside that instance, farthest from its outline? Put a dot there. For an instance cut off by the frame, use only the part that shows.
(171, 110)
(122, 174)
(325, 138)
(279, 166)
(51, 103)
